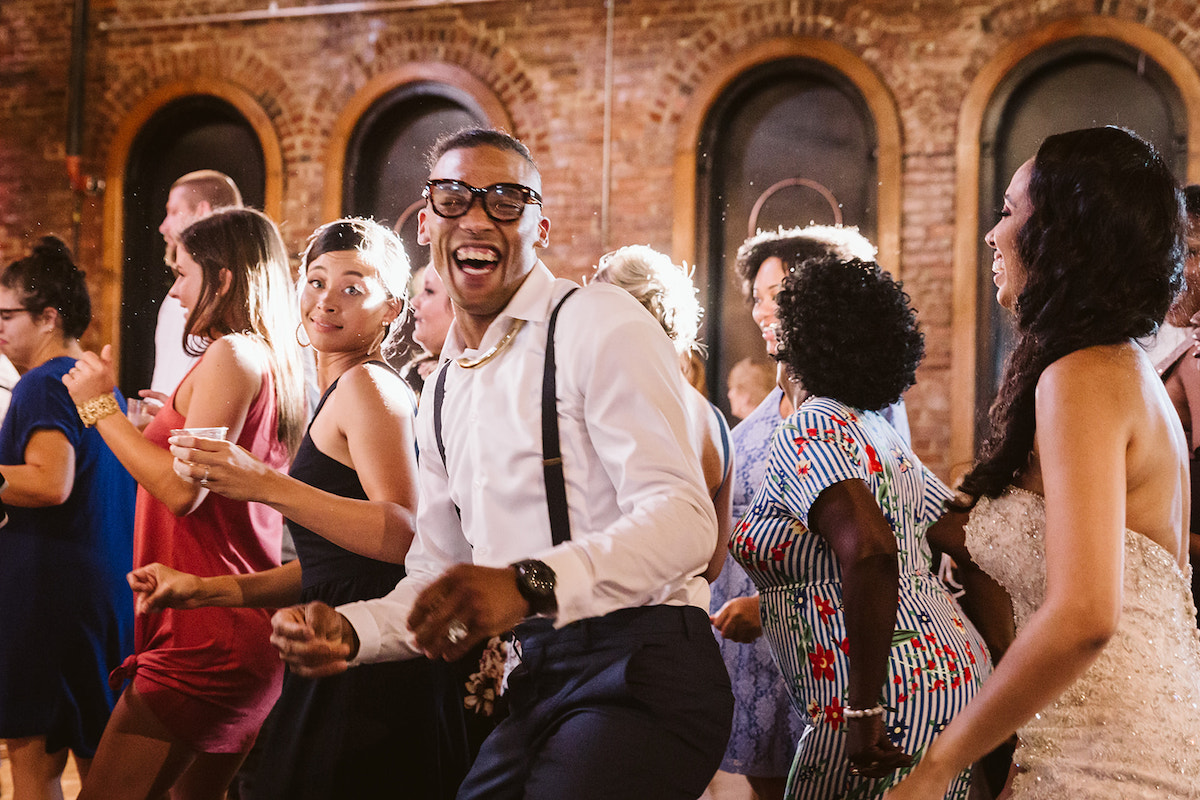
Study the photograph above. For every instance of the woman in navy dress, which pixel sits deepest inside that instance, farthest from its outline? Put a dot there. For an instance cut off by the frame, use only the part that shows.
(67, 617)
(350, 500)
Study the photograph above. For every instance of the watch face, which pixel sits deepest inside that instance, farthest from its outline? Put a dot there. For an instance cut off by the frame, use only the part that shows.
(536, 583)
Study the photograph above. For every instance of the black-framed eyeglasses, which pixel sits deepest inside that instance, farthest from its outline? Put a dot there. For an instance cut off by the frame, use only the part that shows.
(503, 202)
(6, 314)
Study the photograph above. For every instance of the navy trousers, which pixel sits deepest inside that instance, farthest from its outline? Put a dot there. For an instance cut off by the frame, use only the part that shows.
(635, 704)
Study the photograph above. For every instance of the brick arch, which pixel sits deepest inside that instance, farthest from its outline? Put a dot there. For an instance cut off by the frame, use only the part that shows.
(701, 75)
(479, 58)
(120, 141)
(970, 129)
(379, 86)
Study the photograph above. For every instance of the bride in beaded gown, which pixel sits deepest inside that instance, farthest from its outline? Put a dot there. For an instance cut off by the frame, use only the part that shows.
(1128, 727)
(1081, 493)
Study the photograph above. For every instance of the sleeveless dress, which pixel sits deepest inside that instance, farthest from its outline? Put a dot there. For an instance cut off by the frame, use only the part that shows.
(1129, 728)
(377, 729)
(765, 726)
(937, 662)
(66, 612)
(210, 675)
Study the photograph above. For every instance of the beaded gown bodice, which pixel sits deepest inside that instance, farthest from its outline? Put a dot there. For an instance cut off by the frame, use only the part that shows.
(1129, 727)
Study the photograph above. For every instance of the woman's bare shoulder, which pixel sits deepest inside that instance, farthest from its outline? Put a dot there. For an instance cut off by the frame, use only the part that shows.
(369, 387)
(1095, 377)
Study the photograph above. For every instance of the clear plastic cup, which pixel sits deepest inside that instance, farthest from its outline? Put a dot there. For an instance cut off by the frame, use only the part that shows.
(136, 411)
(202, 433)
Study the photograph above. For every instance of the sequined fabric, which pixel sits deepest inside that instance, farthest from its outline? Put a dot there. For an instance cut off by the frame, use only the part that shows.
(1130, 726)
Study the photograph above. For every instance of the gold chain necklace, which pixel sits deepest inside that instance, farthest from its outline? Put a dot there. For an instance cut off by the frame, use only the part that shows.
(496, 349)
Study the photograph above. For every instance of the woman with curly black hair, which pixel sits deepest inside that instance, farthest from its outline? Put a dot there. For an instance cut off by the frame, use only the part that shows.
(1081, 495)
(870, 642)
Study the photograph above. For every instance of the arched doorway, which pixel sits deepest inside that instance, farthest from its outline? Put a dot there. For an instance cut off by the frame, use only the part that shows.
(385, 169)
(788, 142)
(188, 133)
(376, 158)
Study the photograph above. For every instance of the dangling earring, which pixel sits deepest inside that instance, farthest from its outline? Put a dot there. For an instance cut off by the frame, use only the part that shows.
(300, 327)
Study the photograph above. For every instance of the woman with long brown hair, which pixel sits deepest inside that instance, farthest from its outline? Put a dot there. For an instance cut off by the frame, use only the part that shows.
(1080, 498)
(203, 680)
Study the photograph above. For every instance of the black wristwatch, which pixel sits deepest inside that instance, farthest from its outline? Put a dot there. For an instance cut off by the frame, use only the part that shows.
(535, 582)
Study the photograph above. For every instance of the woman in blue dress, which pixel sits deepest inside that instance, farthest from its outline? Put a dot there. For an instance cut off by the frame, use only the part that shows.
(873, 649)
(67, 616)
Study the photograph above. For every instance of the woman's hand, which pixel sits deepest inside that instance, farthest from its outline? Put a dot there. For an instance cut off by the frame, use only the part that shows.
(157, 586)
(738, 620)
(869, 750)
(220, 466)
(91, 376)
(920, 784)
(153, 402)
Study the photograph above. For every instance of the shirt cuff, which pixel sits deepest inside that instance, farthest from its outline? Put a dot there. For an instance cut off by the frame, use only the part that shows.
(369, 637)
(572, 585)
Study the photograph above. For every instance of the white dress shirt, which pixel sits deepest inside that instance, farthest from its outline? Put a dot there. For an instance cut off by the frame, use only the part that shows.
(171, 362)
(642, 525)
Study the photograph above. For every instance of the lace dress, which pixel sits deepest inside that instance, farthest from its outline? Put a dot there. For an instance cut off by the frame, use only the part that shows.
(1130, 726)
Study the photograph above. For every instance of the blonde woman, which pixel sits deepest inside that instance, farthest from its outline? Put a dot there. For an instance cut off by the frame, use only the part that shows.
(667, 292)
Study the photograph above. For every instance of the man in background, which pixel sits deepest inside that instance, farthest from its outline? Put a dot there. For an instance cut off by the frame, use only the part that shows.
(192, 196)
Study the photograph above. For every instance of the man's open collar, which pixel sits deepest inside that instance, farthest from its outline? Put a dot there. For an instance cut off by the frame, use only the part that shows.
(531, 303)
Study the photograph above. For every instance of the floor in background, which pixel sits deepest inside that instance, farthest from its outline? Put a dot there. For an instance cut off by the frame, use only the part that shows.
(70, 782)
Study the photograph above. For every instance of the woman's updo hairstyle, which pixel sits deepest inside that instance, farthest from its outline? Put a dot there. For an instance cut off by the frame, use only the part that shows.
(847, 332)
(48, 278)
(663, 287)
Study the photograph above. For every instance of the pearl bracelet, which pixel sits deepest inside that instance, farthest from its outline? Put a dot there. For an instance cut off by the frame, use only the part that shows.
(859, 713)
(99, 407)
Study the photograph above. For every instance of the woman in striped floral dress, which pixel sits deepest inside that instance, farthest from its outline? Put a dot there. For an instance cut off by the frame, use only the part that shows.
(873, 649)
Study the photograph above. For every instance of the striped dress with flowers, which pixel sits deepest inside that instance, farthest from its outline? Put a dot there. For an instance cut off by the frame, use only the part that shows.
(938, 660)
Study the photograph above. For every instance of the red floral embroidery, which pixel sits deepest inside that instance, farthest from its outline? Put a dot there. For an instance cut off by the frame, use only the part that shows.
(873, 460)
(778, 551)
(825, 609)
(833, 714)
(822, 663)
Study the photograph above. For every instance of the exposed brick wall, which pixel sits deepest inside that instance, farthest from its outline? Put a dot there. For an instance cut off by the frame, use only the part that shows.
(545, 60)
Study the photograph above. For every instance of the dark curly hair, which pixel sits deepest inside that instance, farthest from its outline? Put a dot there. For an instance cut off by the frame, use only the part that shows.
(48, 278)
(848, 332)
(1103, 253)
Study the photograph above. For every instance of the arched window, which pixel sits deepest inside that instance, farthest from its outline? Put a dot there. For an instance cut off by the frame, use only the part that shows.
(1075, 83)
(189, 133)
(788, 142)
(385, 158)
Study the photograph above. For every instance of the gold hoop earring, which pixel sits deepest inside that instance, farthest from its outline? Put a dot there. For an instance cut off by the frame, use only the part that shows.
(300, 327)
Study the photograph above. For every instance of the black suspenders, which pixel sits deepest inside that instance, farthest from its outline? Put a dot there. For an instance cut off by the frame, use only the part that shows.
(552, 463)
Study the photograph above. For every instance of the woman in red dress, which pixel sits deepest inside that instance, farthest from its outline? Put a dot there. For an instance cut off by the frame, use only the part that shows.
(203, 680)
